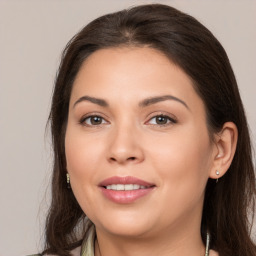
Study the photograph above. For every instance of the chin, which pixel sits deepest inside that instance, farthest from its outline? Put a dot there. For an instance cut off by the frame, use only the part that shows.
(129, 231)
(125, 225)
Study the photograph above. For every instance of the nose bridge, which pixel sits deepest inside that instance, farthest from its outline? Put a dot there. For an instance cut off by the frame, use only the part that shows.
(124, 143)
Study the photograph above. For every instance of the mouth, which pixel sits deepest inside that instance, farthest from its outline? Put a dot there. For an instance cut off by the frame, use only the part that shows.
(126, 187)
(125, 190)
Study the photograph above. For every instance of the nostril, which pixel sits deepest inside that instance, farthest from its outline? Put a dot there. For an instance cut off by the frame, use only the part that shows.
(131, 158)
(121, 159)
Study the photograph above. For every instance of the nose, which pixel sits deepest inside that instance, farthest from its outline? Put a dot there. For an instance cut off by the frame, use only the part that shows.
(125, 147)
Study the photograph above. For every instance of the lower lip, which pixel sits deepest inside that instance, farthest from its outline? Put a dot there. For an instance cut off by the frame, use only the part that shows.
(125, 197)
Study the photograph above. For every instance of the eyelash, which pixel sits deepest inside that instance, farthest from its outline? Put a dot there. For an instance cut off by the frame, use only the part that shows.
(82, 121)
(170, 120)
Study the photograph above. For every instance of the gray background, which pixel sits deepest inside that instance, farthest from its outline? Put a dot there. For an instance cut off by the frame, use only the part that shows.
(32, 36)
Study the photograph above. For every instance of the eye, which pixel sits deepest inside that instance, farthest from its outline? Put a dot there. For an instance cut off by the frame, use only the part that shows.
(93, 120)
(161, 120)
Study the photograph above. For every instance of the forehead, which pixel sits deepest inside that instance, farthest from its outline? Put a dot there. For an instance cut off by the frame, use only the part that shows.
(132, 71)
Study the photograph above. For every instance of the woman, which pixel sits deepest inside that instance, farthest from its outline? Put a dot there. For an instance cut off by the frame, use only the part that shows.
(152, 153)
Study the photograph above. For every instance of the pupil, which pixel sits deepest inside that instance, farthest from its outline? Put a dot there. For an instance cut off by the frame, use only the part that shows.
(96, 120)
(161, 120)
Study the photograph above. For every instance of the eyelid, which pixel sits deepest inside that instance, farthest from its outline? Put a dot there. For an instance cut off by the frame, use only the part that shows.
(92, 114)
(173, 119)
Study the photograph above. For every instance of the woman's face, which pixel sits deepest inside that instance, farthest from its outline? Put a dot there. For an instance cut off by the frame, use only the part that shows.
(137, 146)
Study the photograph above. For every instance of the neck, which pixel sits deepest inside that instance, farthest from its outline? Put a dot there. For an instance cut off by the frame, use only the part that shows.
(175, 242)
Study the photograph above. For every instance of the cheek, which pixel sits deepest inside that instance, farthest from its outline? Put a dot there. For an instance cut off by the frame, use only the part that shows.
(82, 158)
(183, 160)
(182, 163)
(82, 153)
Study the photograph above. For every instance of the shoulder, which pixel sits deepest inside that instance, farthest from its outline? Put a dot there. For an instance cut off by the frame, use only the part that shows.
(213, 253)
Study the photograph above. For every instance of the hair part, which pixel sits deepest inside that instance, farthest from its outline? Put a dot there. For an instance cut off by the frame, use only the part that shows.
(192, 47)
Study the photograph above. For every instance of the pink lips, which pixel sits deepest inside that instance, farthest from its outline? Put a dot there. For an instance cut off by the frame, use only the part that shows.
(125, 196)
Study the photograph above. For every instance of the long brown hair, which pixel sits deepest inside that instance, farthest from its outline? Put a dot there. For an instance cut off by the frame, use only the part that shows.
(193, 48)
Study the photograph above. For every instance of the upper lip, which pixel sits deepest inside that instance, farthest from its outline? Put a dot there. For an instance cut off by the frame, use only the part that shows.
(125, 180)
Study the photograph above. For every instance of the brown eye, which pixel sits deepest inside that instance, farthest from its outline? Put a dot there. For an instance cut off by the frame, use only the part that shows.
(162, 120)
(93, 120)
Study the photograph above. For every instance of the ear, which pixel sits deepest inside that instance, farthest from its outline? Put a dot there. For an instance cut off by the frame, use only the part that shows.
(224, 151)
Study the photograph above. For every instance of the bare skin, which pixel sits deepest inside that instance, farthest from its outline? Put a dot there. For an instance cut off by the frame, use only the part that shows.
(116, 129)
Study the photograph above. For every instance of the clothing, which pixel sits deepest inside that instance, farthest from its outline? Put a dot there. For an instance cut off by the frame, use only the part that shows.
(87, 247)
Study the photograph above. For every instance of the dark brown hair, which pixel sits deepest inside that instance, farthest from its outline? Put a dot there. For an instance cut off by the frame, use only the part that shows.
(193, 48)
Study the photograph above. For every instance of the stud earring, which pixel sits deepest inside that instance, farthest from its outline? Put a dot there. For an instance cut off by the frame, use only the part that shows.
(217, 173)
(68, 180)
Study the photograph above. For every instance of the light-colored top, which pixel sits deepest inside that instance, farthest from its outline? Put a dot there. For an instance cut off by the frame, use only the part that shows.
(87, 247)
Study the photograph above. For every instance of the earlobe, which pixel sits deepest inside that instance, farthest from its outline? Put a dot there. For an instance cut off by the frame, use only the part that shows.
(225, 142)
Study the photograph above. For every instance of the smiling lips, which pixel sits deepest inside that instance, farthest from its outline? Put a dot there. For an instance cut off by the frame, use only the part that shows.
(125, 190)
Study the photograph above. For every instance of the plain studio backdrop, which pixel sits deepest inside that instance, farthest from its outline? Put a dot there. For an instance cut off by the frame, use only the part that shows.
(32, 36)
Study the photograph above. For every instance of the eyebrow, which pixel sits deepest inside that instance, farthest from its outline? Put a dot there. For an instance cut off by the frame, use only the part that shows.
(144, 103)
(97, 101)
(154, 100)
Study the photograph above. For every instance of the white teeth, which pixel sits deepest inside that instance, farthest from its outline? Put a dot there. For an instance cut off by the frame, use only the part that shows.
(128, 187)
(136, 186)
(119, 187)
(125, 187)
(113, 186)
